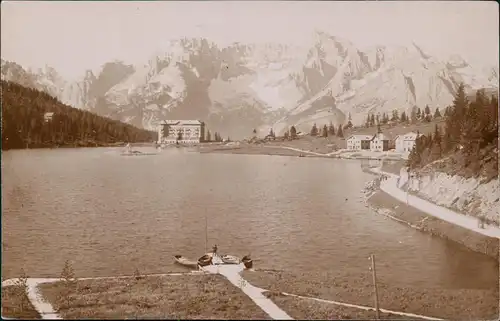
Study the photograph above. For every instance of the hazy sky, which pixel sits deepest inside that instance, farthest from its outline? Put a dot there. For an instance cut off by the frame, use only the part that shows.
(74, 36)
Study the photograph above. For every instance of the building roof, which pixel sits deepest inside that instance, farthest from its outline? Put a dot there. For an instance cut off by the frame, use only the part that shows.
(409, 136)
(360, 137)
(381, 136)
(180, 122)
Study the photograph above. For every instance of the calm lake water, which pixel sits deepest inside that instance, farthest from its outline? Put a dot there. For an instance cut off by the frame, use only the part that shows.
(111, 214)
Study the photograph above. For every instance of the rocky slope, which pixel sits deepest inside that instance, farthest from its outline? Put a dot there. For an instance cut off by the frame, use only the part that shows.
(471, 196)
(245, 86)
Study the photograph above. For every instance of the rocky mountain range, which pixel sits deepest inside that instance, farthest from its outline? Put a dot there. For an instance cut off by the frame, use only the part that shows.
(245, 86)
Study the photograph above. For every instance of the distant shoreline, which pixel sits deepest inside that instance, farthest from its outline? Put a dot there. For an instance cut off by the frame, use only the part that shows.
(276, 150)
(98, 145)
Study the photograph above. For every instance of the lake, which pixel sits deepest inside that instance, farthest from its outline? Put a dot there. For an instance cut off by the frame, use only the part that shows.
(111, 214)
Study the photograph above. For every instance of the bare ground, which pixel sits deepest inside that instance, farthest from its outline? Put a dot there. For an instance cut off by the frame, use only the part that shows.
(306, 309)
(452, 304)
(15, 304)
(169, 297)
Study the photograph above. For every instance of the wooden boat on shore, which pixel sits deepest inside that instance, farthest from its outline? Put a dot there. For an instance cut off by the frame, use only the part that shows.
(247, 261)
(211, 259)
(186, 262)
(230, 259)
(205, 260)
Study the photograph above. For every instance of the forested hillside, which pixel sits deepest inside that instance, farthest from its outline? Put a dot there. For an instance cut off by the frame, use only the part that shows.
(468, 143)
(25, 122)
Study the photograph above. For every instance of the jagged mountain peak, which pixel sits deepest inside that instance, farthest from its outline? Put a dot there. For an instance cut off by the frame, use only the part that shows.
(242, 86)
(456, 61)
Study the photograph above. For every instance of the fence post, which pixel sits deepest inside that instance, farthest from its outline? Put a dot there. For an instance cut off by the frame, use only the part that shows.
(374, 275)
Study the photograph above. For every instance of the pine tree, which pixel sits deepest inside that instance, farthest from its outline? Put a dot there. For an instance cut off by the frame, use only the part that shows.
(340, 132)
(372, 120)
(331, 129)
(349, 122)
(471, 132)
(367, 123)
(395, 115)
(404, 118)
(427, 117)
(209, 136)
(413, 115)
(271, 133)
(437, 113)
(437, 134)
(455, 121)
(293, 132)
(419, 114)
(437, 148)
(314, 130)
(385, 118)
(325, 131)
(377, 120)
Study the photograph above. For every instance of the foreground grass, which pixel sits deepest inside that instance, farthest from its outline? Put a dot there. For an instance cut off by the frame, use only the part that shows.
(306, 309)
(447, 304)
(168, 297)
(15, 304)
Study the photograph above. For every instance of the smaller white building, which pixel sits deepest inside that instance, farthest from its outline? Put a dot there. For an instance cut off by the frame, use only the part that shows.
(48, 116)
(405, 143)
(380, 142)
(358, 142)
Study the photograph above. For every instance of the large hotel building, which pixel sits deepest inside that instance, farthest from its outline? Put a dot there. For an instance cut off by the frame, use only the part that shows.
(181, 131)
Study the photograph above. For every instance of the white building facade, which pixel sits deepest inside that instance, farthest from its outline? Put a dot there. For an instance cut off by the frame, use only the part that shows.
(380, 143)
(358, 142)
(406, 142)
(181, 131)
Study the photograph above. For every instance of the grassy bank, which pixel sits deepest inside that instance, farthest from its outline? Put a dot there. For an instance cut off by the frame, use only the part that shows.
(307, 309)
(451, 304)
(168, 297)
(250, 149)
(281, 149)
(15, 304)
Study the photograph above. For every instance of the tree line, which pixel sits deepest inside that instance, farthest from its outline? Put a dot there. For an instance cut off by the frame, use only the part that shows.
(217, 137)
(416, 114)
(32, 119)
(324, 131)
(470, 131)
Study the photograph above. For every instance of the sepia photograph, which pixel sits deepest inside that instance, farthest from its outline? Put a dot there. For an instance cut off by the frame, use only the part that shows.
(250, 160)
